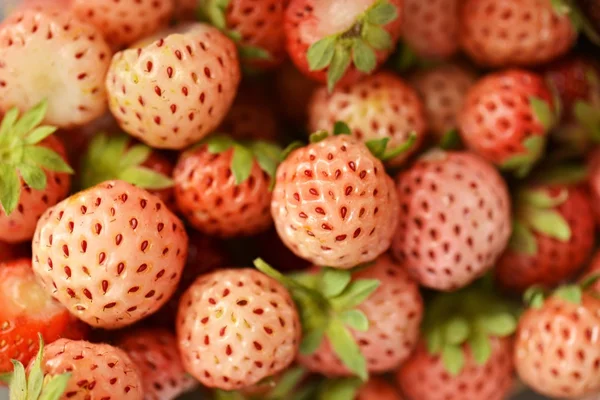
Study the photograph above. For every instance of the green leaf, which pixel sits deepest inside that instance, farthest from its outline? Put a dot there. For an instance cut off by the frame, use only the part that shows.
(382, 13)
(33, 176)
(541, 198)
(453, 359)
(334, 281)
(18, 384)
(377, 37)
(54, 389)
(39, 134)
(320, 53)
(340, 389)
(346, 349)
(146, 178)
(341, 128)
(32, 118)
(499, 324)
(339, 65)
(401, 148)
(136, 155)
(311, 341)
(522, 239)
(569, 293)
(228, 395)
(451, 140)
(377, 146)
(213, 11)
(363, 56)
(219, 144)
(241, 163)
(8, 121)
(318, 136)
(548, 222)
(265, 160)
(10, 188)
(287, 383)
(534, 297)
(36, 376)
(355, 319)
(46, 158)
(542, 111)
(456, 330)
(253, 52)
(355, 294)
(406, 58)
(290, 148)
(481, 348)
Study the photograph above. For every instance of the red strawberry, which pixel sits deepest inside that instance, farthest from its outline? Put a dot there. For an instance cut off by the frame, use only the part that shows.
(380, 106)
(443, 90)
(338, 211)
(393, 312)
(553, 235)
(378, 389)
(424, 377)
(27, 310)
(143, 17)
(255, 25)
(506, 117)
(252, 116)
(454, 219)
(294, 91)
(112, 254)
(467, 350)
(430, 28)
(236, 327)
(322, 37)
(515, 33)
(80, 370)
(33, 171)
(557, 348)
(118, 157)
(223, 187)
(47, 53)
(175, 88)
(154, 351)
(205, 254)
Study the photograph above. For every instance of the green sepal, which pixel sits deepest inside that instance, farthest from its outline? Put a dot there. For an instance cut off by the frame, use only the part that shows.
(241, 163)
(334, 281)
(548, 222)
(286, 384)
(341, 128)
(10, 188)
(355, 294)
(377, 37)
(39, 134)
(30, 119)
(355, 319)
(213, 11)
(317, 136)
(498, 324)
(46, 158)
(219, 143)
(346, 348)
(339, 65)
(228, 395)
(453, 359)
(290, 148)
(534, 297)
(34, 176)
(451, 140)
(481, 348)
(340, 389)
(18, 383)
(253, 53)
(36, 377)
(569, 293)
(378, 147)
(311, 341)
(589, 281)
(6, 378)
(522, 240)
(381, 13)
(363, 56)
(562, 174)
(56, 386)
(456, 330)
(320, 53)
(146, 178)
(541, 199)
(589, 117)
(543, 112)
(522, 163)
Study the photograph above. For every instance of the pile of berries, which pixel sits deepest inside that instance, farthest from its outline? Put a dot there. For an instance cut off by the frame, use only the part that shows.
(299, 199)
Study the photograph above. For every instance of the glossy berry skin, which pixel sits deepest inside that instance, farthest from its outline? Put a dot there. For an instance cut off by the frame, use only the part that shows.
(143, 18)
(19, 225)
(212, 202)
(333, 204)
(378, 389)
(112, 254)
(555, 260)
(431, 28)
(454, 219)
(98, 371)
(154, 352)
(160, 163)
(380, 106)
(514, 32)
(236, 327)
(557, 351)
(424, 377)
(60, 59)
(27, 310)
(442, 90)
(176, 87)
(394, 312)
(497, 118)
(308, 21)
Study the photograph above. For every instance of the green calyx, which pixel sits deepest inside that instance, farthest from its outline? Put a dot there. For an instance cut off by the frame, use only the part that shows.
(214, 12)
(578, 18)
(536, 213)
(522, 163)
(451, 140)
(356, 45)
(267, 155)
(113, 157)
(469, 316)
(21, 154)
(587, 112)
(327, 304)
(281, 388)
(36, 386)
(377, 147)
(535, 296)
